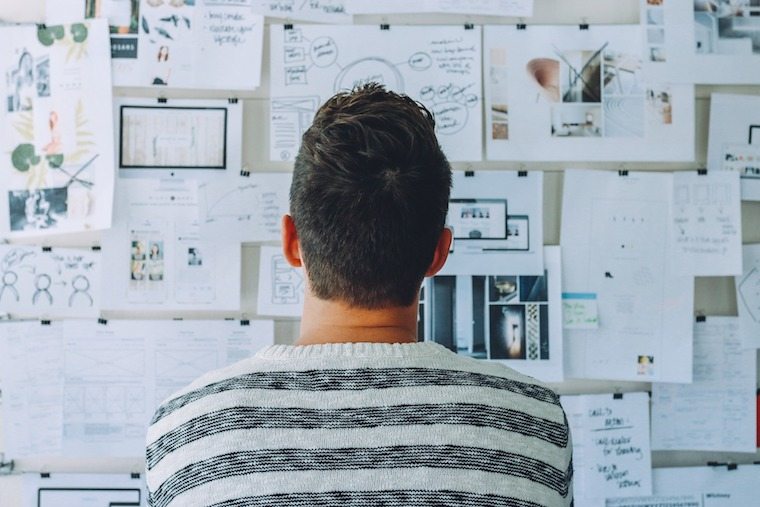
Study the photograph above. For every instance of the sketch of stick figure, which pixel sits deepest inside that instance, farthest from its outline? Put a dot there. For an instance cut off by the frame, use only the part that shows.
(42, 283)
(81, 286)
(9, 282)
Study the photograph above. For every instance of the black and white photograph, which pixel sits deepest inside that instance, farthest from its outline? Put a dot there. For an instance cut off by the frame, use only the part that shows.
(37, 209)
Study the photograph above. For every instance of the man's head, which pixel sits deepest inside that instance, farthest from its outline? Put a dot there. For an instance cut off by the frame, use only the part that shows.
(369, 199)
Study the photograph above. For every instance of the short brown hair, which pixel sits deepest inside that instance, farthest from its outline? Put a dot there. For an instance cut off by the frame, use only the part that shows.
(369, 197)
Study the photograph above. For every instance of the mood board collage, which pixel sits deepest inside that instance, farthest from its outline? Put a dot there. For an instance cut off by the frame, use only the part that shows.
(158, 179)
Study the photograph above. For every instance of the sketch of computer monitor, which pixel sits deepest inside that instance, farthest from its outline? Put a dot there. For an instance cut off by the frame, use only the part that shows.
(478, 223)
(484, 225)
(196, 139)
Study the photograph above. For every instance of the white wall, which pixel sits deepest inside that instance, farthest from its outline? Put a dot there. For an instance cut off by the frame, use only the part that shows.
(714, 296)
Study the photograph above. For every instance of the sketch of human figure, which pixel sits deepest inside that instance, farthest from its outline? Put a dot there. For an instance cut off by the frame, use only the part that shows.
(81, 286)
(9, 280)
(42, 283)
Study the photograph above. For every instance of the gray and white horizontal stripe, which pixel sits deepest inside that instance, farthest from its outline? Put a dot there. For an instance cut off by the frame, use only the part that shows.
(434, 429)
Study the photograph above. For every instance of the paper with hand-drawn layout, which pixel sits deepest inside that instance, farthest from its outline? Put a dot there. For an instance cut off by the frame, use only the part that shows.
(560, 93)
(611, 453)
(56, 142)
(716, 411)
(156, 257)
(50, 283)
(616, 232)
(707, 223)
(31, 373)
(438, 65)
(281, 286)
(246, 207)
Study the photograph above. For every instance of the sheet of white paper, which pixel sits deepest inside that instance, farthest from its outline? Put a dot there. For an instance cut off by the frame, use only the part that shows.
(245, 207)
(281, 287)
(438, 65)
(715, 412)
(497, 221)
(701, 41)
(84, 490)
(734, 141)
(611, 453)
(560, 93)
(516, 8)
(718, 486)
(106, 369)
(55, 135)
(117, 373)
(319, 11)
(656, 501)
(707, 239)
(512, 319)
(615, 244)
(32, 11)
(579, 311)
(748, 297)
(189, 349)
(195, 44)
(31, 375)
(54, 283)
(154, 257)
(184, 138)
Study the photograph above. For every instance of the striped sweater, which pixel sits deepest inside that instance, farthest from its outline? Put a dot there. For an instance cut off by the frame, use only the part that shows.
(362, 424)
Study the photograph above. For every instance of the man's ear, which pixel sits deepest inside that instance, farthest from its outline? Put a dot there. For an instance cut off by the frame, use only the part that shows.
(291, 248)
(441, 252)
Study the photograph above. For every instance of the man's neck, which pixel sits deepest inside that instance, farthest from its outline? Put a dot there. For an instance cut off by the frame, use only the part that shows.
(335, 322)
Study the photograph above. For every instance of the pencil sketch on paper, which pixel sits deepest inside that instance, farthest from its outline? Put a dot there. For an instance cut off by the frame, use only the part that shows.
(434, 65)
(287, 283)
(59, 282)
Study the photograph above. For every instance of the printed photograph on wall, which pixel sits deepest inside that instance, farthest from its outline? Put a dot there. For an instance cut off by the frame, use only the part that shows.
(58, 175)
(574, 93)
(511, 318)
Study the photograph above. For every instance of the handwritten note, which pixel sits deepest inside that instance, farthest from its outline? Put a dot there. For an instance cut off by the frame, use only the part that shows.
(246, 207)
(611, 452)
(714, 413)
(579, 311)
(321, 11)
(707, 223)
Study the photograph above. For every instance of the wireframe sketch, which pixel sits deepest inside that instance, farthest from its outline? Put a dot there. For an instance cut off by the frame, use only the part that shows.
(287, 283)
(310, 63)
(54, 283)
